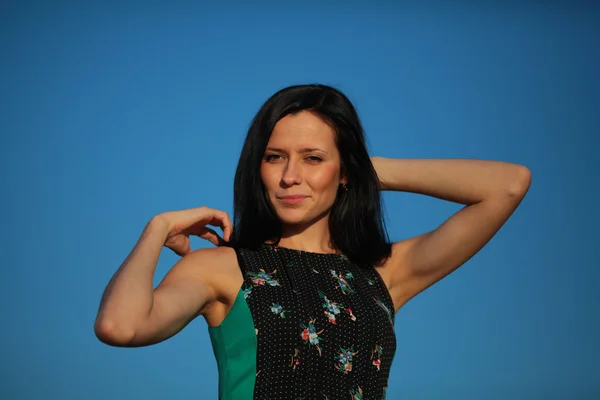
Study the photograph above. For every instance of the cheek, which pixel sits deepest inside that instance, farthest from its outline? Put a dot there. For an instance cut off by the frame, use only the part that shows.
(327, 177)
(266, 178)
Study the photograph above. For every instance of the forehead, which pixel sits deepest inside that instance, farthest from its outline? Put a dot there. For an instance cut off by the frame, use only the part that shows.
(303, 128)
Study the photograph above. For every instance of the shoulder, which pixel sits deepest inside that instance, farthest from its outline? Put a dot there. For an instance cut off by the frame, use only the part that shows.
(215, 254)
(204, 268)
(212, 263)
(219, 271)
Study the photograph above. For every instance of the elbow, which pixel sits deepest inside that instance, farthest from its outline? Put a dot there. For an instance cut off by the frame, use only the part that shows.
(112, 334)
(520, 182)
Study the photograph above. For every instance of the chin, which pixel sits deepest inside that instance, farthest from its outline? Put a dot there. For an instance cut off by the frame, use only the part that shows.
(291, 215)
(292, 218)
(296, 216)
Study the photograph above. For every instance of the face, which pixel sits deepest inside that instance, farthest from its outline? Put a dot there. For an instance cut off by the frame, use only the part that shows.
(301, 169)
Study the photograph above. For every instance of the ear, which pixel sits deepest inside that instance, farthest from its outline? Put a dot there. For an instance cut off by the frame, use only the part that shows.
(343, 178)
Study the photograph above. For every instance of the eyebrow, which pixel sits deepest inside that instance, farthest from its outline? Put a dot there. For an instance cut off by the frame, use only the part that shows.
(302, 150)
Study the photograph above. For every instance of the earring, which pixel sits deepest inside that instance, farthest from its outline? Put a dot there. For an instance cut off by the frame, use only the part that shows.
(344, 187)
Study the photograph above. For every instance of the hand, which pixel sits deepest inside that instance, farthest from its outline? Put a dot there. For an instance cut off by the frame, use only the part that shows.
(193, 221)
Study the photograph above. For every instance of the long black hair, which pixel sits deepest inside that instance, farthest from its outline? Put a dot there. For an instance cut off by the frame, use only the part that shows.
(356, 224)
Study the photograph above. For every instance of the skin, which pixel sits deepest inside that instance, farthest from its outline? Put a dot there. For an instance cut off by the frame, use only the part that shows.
(206, 282)
(302, 158)
(490, 192)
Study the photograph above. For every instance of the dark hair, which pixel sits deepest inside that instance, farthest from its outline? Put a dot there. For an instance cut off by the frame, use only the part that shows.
(356, 223)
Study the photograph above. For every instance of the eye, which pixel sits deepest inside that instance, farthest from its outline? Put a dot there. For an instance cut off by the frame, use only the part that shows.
(272, 157)
(314, 159)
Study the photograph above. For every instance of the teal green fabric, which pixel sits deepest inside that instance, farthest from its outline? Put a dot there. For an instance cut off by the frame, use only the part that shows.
(235, 345)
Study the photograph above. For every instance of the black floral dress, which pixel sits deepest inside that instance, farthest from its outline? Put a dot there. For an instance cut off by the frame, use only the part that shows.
(324, 326)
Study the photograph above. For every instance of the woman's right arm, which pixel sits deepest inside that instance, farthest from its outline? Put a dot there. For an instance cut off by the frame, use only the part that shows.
(132, 313)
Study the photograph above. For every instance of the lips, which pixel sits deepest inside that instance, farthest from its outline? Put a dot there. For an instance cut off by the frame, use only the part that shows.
(292, 199)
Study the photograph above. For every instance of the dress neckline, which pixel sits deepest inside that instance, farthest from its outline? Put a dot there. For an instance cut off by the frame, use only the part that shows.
(289, 249)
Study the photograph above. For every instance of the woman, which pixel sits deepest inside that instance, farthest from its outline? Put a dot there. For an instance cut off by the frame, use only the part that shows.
(300, 298)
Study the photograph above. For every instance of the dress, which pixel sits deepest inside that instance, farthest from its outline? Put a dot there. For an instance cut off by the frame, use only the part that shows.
(305, 326)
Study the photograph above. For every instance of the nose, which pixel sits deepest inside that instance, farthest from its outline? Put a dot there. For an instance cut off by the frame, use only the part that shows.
(292, 174)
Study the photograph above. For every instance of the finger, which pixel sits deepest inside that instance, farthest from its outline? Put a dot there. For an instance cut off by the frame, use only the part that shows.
(211, 236)
(180, 252)
(227, 227)
(221, 219)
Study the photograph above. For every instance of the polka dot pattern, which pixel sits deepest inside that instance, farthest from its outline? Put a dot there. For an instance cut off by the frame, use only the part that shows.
(324, 326)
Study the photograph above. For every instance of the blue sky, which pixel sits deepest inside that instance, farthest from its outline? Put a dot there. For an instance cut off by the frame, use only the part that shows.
(112, 114)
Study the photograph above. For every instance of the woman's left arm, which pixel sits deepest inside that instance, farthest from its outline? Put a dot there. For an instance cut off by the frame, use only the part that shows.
(490, 191)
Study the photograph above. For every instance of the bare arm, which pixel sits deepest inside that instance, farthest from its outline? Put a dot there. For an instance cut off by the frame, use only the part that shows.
(185, 293)
(131, 312)
(490, 191)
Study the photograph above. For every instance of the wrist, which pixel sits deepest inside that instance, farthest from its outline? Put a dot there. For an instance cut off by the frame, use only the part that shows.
(378, 167)
(159, 224)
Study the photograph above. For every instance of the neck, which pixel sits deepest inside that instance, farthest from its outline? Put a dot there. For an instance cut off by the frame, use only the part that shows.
(313, 237)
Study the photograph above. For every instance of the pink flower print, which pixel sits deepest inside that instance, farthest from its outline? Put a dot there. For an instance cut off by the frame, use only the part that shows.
(261, 278)
(309, 334)
(331, 308)
(344, 359)
(330, 317)
(295, 359)
(376, 356)
(352, 316)
(343, 281)
(305, 335)
(377, 363)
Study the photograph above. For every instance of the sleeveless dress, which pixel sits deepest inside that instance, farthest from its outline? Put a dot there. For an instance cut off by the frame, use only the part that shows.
(305, 326)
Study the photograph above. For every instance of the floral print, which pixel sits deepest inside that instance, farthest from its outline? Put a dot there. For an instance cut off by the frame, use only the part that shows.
(356, 393)
(310, 335)
(344, 359)
(376, 356)
(387, 311)
(261, 277)
(313, 316)
(343, 278)
(332, 309)
(295, 359)
(278, 310)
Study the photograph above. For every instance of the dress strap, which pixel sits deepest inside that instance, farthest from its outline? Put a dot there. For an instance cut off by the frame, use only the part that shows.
(241, 260)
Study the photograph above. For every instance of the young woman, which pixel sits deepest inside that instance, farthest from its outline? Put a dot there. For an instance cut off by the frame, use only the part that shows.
(300, 297)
